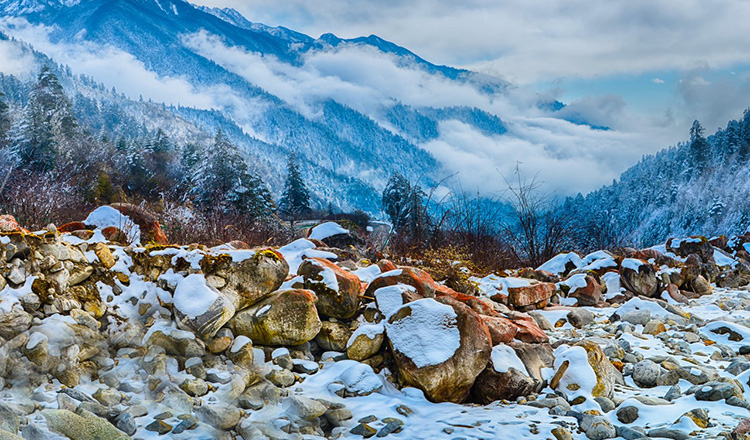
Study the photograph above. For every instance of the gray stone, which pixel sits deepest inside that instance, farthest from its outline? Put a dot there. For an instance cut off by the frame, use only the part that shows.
(646, 373)
(219, 416)
(668, 433)
(305, 408)
(630, 433)
(579, 317)
(636, 317)
(601, 428)
(713, 391)
(126, 423)
(159, 426)
(627, 414)
(605, 404)
(738, 366)
(674, 393)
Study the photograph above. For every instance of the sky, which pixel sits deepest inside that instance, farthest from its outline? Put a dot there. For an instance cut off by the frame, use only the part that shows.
(646, 69)
(671, 61)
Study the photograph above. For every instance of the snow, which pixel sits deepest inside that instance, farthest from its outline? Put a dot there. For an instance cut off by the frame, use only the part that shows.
(389, 299)
(723, 259)
(327, 229)
(239, 342)
(35, 339)
(106, 216)
(328, 276)
(193, 297)
(712, 329)
(557, 263)
(505, 358)
(577, 281)
(632, 263)
(371, 331)
(603, 263)
(579, 372)
(367, 274)
(595, 256)
(281, 351)
(429, 335)
(492, 284)
(641, 304)
(360, 379)
(298, 250)
(612, 280)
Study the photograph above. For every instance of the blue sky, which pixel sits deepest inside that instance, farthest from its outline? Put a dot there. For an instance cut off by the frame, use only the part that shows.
(595, 52)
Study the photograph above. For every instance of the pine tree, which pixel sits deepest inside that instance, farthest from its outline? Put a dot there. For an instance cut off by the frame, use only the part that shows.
(295, 200)
(4, 122)
(699, 148)
(222, 181)
(396, 200)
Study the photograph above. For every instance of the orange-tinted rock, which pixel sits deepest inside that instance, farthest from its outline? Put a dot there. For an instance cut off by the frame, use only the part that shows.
(532, 296)
(83, 234)
(115, 235)
(590, 295)
(8, 223)
(528, 330)
(342, 303)
(450, 380)
(150, 228)
(386, 266)
(502, 330)
(419, 279)
(72, 226)
(674, 292)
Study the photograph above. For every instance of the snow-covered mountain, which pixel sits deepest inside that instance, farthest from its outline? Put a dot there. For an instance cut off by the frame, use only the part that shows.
(354, 110)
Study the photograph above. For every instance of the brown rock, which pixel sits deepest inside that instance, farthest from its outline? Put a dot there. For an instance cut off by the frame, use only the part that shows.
(451, 379)
(590, 295)
(530, 297)
(340, 303)
(639, 277)
(105, 255)
(150, 229)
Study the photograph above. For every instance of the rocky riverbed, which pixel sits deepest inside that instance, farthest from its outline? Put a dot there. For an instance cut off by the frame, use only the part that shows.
(107, 331)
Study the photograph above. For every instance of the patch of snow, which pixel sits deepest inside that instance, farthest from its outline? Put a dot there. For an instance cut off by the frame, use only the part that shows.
(595, 256)
(367, 274)
(577, 281)
(504, 358)
(371, 331)
(427, 336)
(632, 263)
(327, 229)
(557, 263)
(389, 299)
(193, 297)
(328, 276)
(239, 342)
(579, 373)
(106, 216)
(297, 250)
(641, 304)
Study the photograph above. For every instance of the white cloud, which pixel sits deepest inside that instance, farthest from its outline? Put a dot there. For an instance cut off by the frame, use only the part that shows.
(13, 61)
(528, 40)
(657, 81)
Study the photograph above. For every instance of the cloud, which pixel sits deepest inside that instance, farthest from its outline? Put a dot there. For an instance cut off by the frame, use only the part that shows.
(529, 40)
(657, 81)
(14, 61)
(109, 65)
(713, 102)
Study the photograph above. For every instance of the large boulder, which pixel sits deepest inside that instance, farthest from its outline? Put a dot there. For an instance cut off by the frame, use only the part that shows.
(505, 377)
(584, 289)
(532, 296)
(440, 346)
(151, 230)
(287, 317)
(692, 245)
(337, 290)
(200, 307)
(639, 277)
(583, 372)
(422, 282)
(247, 275)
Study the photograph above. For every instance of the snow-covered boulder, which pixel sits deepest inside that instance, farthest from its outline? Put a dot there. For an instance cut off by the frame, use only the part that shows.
(583, 372)
(337, 290)
(639, 277)
(505, 377)
(440, 346)
(200, 307)
(287, 317)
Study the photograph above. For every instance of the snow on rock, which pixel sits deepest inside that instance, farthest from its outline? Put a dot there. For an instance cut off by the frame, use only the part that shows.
(390, 298)
(428, 335)
(595, 256)
(106, 216)
(193, 297)
(579, 378)
(360, 380)
(367, 274)
(300, 249)
(504, 358)
(638, 304)
(632, 263)
(492, 284)
(327, 229)
(561, 263)
(727, 333)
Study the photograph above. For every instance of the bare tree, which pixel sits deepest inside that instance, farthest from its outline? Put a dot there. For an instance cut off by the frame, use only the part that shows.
(536, 230)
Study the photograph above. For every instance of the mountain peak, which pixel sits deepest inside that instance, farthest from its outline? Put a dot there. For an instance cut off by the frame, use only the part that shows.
(21, 7)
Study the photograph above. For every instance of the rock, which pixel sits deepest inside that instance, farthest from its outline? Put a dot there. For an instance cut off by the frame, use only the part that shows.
(105, 255)
(605, 373)
(505, 378)
(364, 430)
(333, 336)
(200, 307)
(218, 415)
(646, 373)
(241, 352)
(673, 434)
(420, 280)
(589, 294)
(194, 387)
(151, 230)
(159, 426)
(107, 396)
(579, 318)
(126, 423)
(305, 408)
(601, 428)
(701, 286)
(287, 317)
(630, 434)
(8, 224)
(636, 317)
(281, 377)
(365, 342)
(562, 433)
(176, 342)
(358, 380)
(639, 277)
(673, 393)
(535, 295)
(14, 322)
(697, 245)
(440, 346)
(627, 414)
(743, 427)
(85, 426)
(528, 330)
(654, 327)
(337, 290)
(258, 395)
(713, 391)
(502, 330)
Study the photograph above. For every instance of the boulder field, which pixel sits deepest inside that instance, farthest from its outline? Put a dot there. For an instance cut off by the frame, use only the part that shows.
(103, 324)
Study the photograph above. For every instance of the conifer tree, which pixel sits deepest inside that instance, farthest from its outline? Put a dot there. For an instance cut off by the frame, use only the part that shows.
(699, 148)
(4, 122)
(396, 200)
(295, 200)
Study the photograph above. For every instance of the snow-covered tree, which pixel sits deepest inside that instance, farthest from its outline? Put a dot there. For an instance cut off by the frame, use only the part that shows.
(295, 200)
(222, 181)
(699, 148)
(396, 199)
